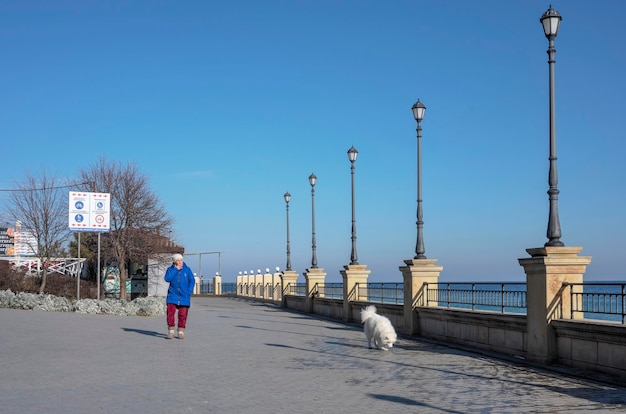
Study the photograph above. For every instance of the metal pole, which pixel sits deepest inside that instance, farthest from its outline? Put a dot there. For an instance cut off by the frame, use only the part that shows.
(419, 245)
(200, 264)
(353, 256)
(314, 257)
(288, 267)
(201, 253)
(98, 271)
(554, 226)
(78, 276)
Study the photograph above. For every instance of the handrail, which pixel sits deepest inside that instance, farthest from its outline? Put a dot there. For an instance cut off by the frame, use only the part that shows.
(601, 298)
(479, 296)
(381, 292)
(330, 290)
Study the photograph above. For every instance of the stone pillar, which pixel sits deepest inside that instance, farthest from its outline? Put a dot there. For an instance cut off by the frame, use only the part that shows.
(266, 281)
(546, 271)
(258, 285)
(217, 285)
(288, 282)
(313, 276)
(196, 286)
(239, 285)
(276, 286)
(417, 275)
(353, 275)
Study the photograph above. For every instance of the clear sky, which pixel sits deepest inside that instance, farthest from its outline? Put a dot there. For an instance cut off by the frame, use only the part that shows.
(226, 105)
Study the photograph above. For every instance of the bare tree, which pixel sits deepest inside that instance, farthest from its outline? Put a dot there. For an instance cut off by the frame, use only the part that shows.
(40, 204)
(137, 215)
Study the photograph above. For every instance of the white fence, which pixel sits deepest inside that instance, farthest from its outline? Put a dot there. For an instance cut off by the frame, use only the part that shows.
(70, 266)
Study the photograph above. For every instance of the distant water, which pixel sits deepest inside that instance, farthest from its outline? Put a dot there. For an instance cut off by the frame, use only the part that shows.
(615, 304)
(595, 291)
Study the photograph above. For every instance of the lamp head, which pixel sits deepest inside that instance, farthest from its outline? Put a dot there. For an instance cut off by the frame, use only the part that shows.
(418, 110)
(287, 197)
(312, 180)
(352, 154)
(550, 21)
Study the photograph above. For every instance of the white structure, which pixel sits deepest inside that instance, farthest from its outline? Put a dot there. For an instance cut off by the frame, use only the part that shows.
(157, 286)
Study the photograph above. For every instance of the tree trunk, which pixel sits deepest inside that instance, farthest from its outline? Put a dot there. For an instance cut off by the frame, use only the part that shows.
(44, 275)
(123, 294)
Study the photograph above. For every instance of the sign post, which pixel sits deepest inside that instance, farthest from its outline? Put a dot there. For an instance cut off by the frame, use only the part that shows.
(89, 212)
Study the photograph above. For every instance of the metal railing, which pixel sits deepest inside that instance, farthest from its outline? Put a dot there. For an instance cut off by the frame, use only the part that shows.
(296, 289)
(605, 301)
(330, 290)
(502, 297)
(208, 288)
(381, 292)
(601, 300)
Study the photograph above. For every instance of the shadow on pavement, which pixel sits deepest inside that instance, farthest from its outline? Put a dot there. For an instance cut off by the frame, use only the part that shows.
(144, 332)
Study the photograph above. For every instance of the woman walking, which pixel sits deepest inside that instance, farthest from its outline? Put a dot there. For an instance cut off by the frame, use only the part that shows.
(181, 280)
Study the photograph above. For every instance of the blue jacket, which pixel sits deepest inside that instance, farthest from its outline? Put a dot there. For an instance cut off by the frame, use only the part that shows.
(181, 285)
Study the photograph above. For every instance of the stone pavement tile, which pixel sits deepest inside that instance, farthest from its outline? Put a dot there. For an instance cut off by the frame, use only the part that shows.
(241, 356)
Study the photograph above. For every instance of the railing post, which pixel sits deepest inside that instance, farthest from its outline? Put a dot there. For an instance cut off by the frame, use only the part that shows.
(415, 274)
(277, 292)
(258, 285)
(352, 275)
(288, 278)
(217, 285)
(623, 303)
(267, 281)
(546, 271)
(313, 276)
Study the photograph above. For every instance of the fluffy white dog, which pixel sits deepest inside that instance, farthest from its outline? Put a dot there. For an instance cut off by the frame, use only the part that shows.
(378, 328)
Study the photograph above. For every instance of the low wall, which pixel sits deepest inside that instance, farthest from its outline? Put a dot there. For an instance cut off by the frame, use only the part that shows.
(329, 308)
(592, 345)
(495, 332)
(297, 303)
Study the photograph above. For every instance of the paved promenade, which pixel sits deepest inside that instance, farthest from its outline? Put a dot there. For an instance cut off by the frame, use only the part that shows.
(246, 357)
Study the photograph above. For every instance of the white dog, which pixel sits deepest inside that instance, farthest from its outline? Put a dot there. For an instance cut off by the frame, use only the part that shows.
(378, 328)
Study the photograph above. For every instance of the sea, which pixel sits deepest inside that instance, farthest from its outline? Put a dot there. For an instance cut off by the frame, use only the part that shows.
(603, 301)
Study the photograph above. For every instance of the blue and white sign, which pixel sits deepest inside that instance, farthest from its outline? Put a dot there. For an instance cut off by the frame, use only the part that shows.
(89, 211)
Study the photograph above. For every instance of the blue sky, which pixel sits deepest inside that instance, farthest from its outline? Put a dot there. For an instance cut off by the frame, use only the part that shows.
(226, 105)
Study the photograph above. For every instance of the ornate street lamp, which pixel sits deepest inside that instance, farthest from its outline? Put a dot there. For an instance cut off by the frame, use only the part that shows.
(418, 113)
(287, 197)
(312, 180)
(550, 21)
(352, 154)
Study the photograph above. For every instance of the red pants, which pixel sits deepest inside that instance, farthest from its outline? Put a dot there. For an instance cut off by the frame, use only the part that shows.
(182, 315)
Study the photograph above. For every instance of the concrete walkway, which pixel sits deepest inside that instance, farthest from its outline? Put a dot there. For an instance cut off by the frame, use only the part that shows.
(246, 357)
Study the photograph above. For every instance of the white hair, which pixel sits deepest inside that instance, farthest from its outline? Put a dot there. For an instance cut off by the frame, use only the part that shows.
(177, 256)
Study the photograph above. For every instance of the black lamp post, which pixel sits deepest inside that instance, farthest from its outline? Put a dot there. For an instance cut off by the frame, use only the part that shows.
(287, 197)
(312, 180)
(352, 154)
(418, 113)
(550, 21)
